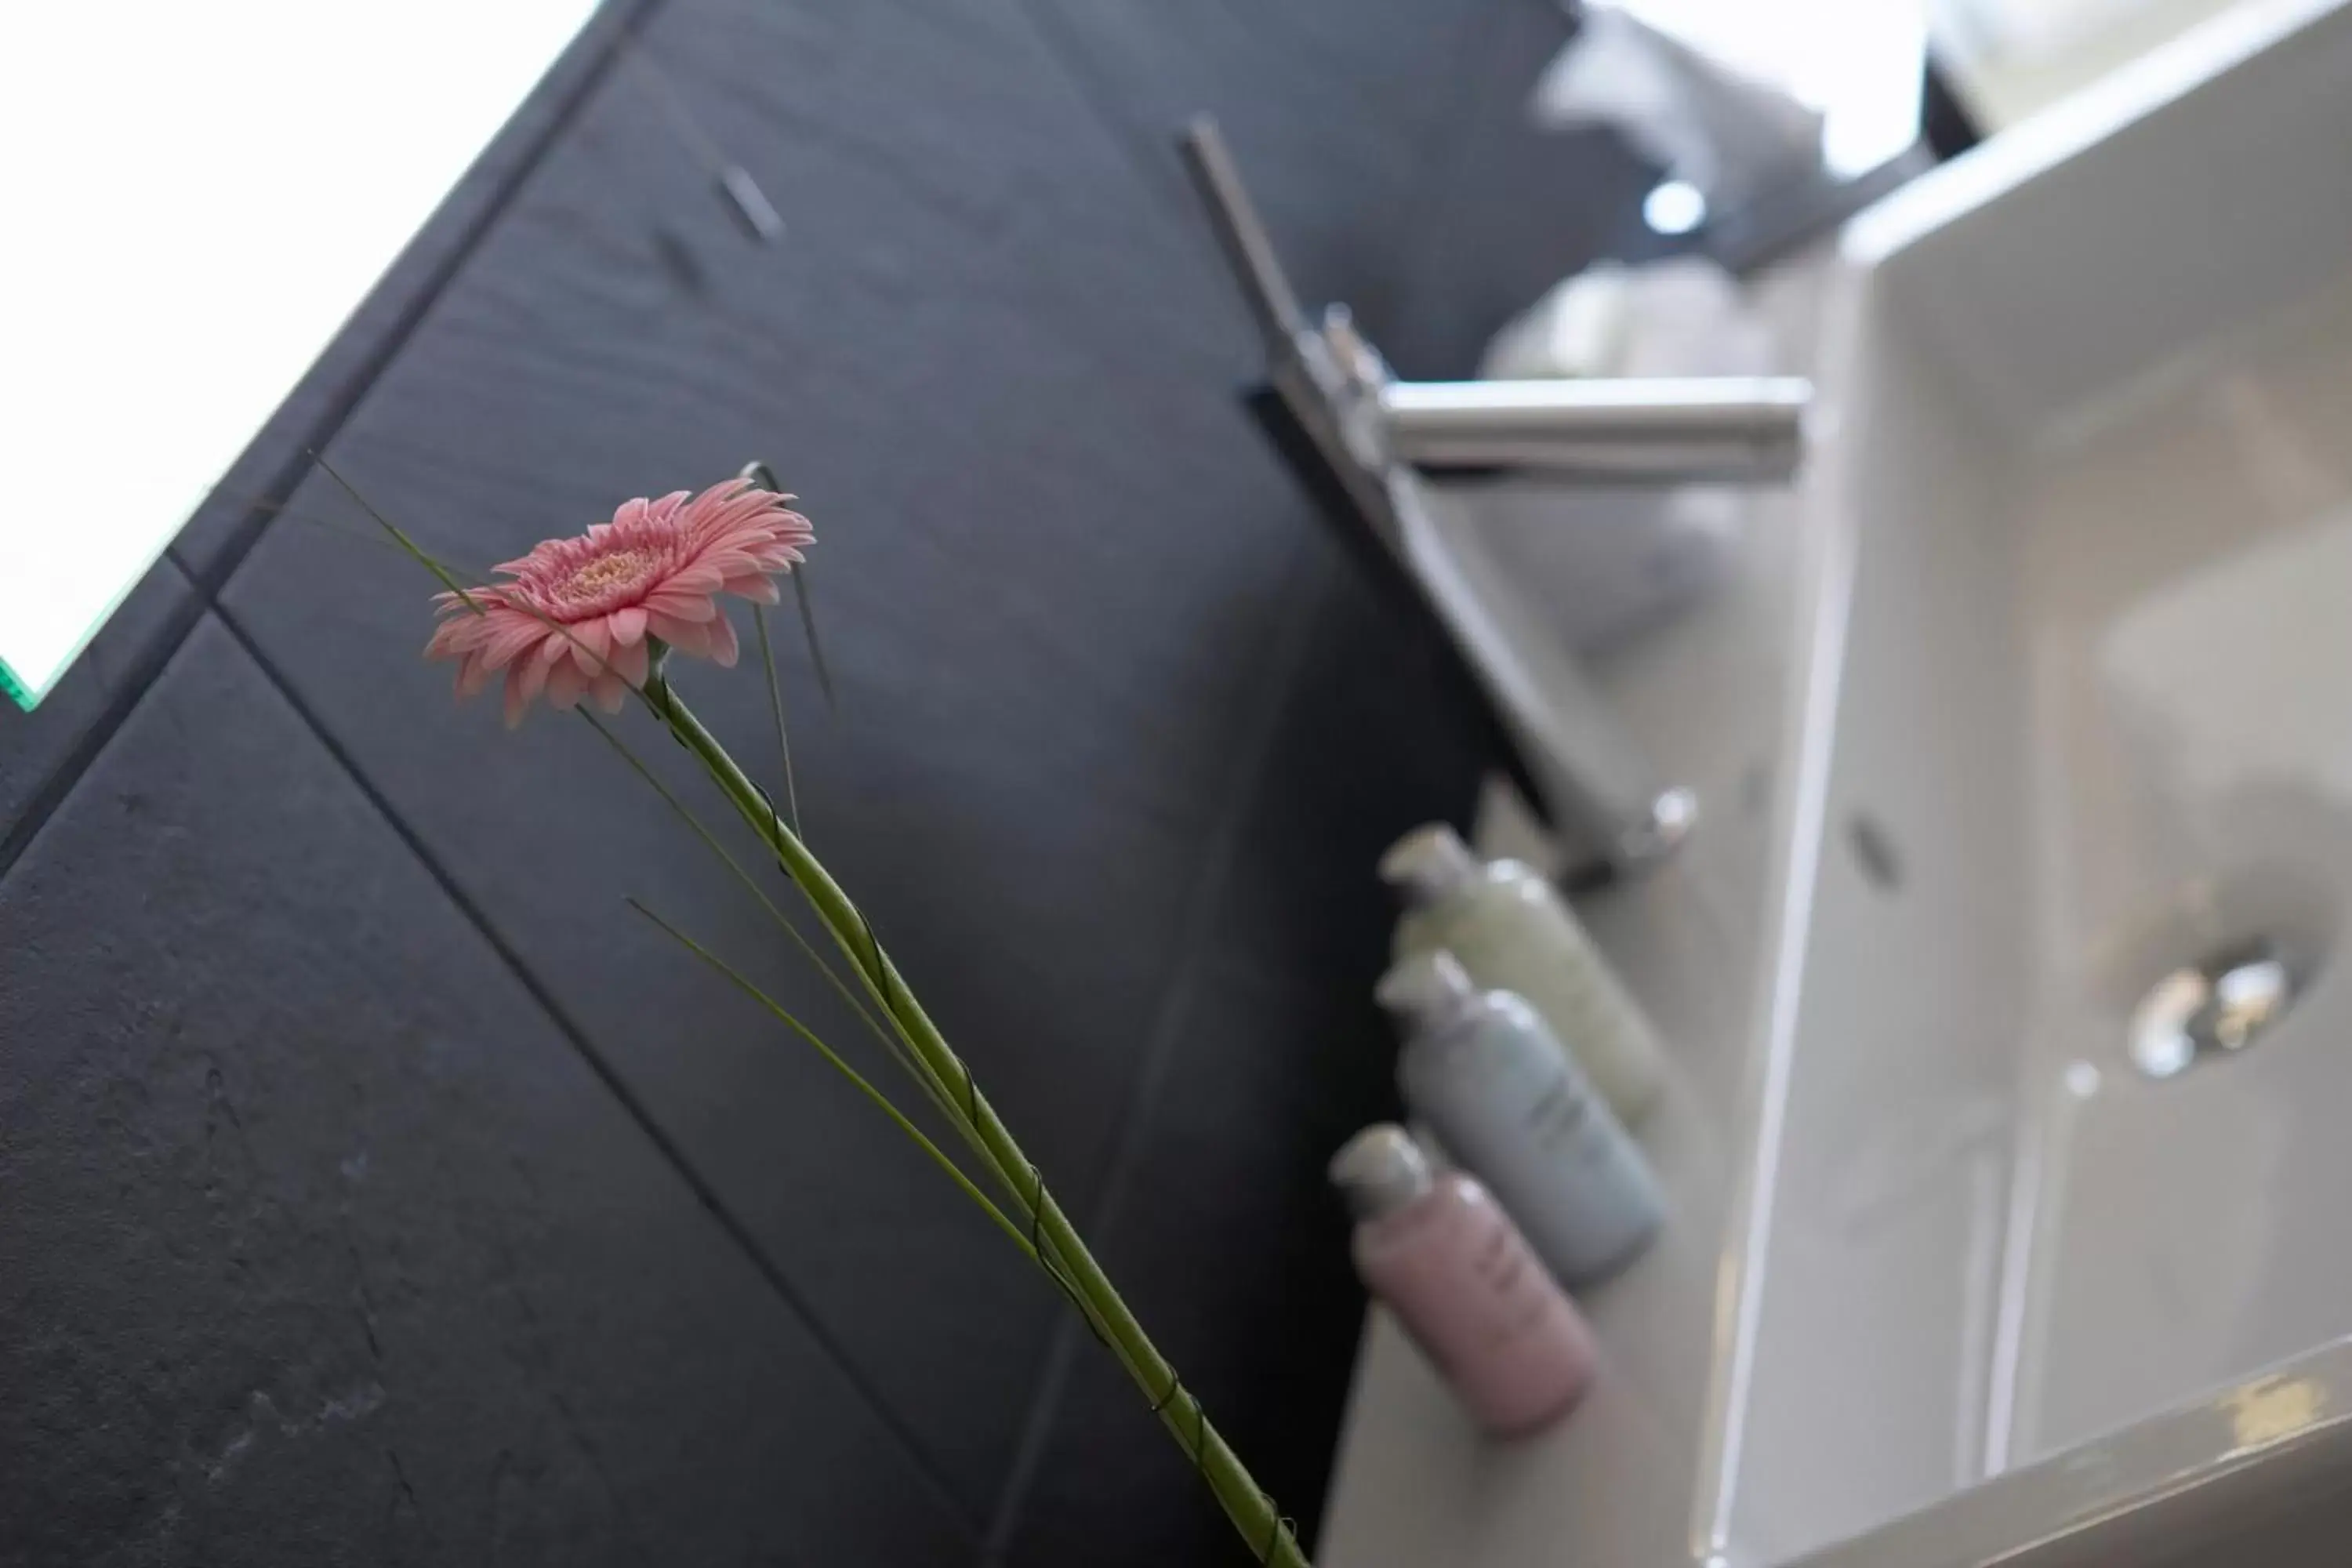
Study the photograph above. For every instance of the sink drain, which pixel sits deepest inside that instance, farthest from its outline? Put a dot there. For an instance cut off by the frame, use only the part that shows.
(2224, 1005)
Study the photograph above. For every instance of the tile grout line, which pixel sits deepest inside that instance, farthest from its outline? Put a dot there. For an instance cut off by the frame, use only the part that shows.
(135, 679)
(610, 1077)
(1130, 1133)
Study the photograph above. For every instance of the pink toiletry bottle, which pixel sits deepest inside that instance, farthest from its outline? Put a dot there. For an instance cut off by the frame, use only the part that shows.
(1452, 1265)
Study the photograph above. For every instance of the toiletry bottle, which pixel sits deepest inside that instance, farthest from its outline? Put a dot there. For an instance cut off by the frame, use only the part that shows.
(1450, 1264)
(1510, 1107)
(1513, 932)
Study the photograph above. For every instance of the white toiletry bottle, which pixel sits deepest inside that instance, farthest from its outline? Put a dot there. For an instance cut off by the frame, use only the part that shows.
(1512, 1109)
(1513, 932)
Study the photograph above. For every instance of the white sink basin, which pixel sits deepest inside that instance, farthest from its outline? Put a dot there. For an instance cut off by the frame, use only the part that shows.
(2038, 688)
(2080, 712)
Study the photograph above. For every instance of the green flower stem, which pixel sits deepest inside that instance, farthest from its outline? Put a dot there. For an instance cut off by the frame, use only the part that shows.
(1060, 1250)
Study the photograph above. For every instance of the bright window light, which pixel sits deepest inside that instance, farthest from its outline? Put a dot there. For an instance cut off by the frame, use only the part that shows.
(198, 196)
(1859, 62)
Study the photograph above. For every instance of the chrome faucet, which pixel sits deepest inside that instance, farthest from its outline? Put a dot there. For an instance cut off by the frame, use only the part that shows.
(1623, 430)
(1376, 435)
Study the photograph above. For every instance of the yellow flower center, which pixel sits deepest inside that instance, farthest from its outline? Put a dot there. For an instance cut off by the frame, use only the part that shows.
(609, 571)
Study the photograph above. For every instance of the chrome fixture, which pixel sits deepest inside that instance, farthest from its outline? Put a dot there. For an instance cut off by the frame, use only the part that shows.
(1621, 430)
(1375, 436)
(2222, 1004)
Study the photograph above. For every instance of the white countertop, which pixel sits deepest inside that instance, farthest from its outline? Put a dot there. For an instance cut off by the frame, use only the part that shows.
(1711, 695)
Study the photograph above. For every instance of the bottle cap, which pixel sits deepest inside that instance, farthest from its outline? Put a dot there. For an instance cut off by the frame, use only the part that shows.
(1380, 1169)
(1425, 988)
(1429, 863)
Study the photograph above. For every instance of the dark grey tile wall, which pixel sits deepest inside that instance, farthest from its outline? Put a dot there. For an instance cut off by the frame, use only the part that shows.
(1389, 146)
(380, 1189)
(323, 1245)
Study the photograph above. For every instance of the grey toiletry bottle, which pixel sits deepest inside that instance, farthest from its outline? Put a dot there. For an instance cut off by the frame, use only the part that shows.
(1480, 1068)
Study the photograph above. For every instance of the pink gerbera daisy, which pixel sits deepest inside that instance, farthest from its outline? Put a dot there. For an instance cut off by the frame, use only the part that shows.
(580, 614)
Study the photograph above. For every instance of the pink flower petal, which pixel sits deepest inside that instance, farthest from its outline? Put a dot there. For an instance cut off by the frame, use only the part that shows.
(753, 585)
(718, 496)
(452, 638)
(518, 696)
(565, 682)
(515, 635)
(687, 637)
(589, 641)
(681, 606)
(472, 673)
(743, 512)
(577, 616)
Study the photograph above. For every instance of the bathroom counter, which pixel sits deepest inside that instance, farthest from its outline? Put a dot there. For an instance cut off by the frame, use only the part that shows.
(1711, 695)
